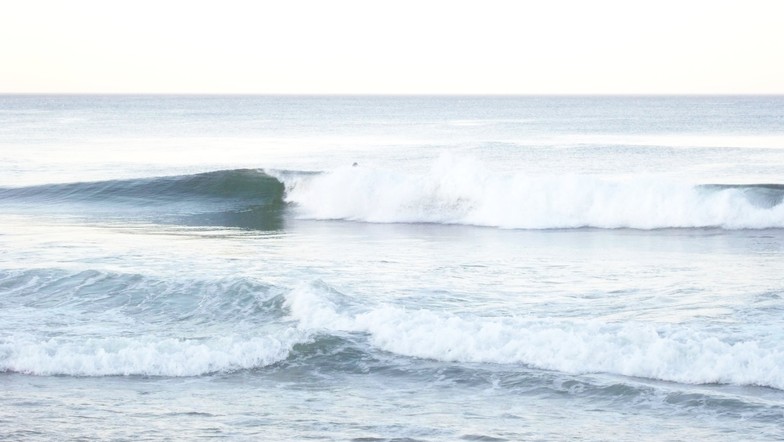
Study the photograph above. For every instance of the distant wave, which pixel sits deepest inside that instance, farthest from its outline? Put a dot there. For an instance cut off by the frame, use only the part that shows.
(670, 353)
(454, 192)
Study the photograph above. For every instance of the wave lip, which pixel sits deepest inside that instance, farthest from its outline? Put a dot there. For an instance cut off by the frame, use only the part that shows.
(459, 192)
(669, 353)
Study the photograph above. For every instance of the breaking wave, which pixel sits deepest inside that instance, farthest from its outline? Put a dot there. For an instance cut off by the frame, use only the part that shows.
(451, 192)
(454, 192)
(93, 323)
(144, 355)
(666, 352)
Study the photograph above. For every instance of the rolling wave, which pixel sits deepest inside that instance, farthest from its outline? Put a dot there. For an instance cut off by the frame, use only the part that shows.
(94, 323)
(143, 355)
(240, 185)
(673, 353)
(450, 193)
(243, 198)
(98, 324)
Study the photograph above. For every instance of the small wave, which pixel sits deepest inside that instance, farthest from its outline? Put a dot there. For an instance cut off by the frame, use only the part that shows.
(461, 192)
(86, 296)
(669, 353)
(91, 323)
(146, 355)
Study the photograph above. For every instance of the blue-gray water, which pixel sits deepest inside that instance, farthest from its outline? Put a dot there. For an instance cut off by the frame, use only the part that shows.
(492, 268)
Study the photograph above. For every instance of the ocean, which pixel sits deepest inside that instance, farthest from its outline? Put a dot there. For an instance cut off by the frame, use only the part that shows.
(408, 268)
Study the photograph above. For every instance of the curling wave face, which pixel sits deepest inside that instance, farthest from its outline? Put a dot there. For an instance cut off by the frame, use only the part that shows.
(224, 185)
(243, 198)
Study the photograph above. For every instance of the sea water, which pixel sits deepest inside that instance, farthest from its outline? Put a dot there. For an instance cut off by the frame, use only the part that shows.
(391, 268)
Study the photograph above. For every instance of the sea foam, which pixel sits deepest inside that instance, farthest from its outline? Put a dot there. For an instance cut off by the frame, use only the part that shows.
(664, 352)
(458, 191)
(144, 355)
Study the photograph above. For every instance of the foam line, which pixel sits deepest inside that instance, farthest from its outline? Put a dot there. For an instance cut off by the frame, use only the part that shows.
(146, 355)
(666, 352)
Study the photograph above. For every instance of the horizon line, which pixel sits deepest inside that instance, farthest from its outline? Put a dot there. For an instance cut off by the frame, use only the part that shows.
(375, 94)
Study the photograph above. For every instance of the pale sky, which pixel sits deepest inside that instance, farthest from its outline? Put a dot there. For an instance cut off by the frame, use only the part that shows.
(392, 47)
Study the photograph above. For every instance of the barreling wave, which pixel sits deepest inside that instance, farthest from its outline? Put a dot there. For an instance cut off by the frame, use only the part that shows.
(223, 185)
(244, 198)
(674, 353)
(454, 192)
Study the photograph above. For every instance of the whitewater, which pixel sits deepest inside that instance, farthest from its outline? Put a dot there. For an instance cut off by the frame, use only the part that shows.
(391, 268)
(455, 192)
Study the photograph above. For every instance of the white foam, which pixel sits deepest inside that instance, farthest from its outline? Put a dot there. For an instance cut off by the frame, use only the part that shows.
(458, 191)
(146, 355)
(670, 353)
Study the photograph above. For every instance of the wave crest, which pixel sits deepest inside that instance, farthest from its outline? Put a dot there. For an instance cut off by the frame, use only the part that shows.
(460, 192)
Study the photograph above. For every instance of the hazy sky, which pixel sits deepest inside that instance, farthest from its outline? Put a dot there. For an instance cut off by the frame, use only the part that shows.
(337, 46)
